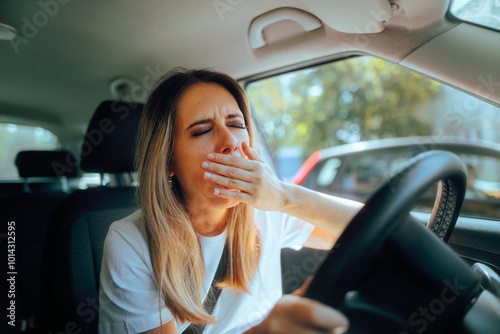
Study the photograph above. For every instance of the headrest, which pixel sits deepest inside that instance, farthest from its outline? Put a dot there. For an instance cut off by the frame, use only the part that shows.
(46, 164)
(109, 144)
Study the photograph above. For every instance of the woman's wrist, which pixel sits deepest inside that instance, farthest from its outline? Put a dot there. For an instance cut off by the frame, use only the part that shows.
(291, 196)
(287, 196)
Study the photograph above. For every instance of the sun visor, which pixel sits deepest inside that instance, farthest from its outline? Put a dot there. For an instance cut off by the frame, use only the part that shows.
(355, 17)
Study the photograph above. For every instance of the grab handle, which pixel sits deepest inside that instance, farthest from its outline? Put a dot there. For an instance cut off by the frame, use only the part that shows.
(307, 21)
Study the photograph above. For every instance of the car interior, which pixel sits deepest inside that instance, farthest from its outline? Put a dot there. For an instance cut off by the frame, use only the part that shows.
(74, 78)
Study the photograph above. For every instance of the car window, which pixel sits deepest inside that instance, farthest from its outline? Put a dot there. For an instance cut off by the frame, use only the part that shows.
(366, 117)
(481, 12)
(483, 176)
(328, 171)
(16, 138)
(356, 176)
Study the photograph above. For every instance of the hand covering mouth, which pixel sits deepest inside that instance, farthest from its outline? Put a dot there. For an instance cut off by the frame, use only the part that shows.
(238, 154)
(229, 189)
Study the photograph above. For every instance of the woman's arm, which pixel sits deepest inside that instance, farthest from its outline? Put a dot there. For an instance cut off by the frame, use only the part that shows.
(296, 314)
(291, 314)
(329, 213)
(260, 188)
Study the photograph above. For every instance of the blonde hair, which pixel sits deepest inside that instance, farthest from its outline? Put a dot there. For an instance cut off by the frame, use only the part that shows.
(176, 253)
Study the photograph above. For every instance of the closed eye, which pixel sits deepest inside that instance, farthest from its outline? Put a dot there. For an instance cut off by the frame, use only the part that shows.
(196, 134)
(238, 126)
(199, 133)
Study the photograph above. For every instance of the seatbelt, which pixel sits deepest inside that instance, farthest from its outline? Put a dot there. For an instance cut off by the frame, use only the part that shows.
(212, 295)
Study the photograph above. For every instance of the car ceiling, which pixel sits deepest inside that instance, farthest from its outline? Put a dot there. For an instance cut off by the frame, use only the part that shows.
(62, 72)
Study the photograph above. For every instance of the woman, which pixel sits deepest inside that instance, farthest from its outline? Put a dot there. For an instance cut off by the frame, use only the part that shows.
(203, 187)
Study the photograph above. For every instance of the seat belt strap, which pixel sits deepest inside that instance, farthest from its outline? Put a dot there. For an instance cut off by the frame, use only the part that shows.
(212, 296)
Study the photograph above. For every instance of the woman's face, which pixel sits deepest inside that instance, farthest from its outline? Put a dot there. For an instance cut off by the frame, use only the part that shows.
(208, 120)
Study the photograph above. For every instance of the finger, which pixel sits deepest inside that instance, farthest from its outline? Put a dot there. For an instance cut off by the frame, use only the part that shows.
(227, 182)
(280, 321)
(234, 195)
(232, 160)
(302, 290)
(230, 172)
(250, 152)
(309, 312)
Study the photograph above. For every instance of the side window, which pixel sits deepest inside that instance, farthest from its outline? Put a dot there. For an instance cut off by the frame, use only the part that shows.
(365, 172)
(362, 118)
(328, 171)
(356, 176)
(15, 138)
(483, 176)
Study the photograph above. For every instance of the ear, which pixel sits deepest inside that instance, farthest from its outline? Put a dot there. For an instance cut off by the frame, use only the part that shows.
(171, 173)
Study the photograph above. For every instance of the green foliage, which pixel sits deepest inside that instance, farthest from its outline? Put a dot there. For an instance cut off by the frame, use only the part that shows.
(358, 99)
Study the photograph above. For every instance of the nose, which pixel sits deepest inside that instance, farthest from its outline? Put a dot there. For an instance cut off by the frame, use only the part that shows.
(228, 144)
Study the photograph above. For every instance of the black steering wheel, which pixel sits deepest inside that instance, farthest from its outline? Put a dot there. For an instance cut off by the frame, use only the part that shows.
(386, 268)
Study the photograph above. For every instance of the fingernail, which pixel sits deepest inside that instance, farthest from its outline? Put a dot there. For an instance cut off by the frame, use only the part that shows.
(216, 191)
(204, 164)
(336, 318)
(207, 175)
(211, 156)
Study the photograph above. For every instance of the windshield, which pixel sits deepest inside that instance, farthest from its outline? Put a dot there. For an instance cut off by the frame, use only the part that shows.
(481, 12)
(396, 112)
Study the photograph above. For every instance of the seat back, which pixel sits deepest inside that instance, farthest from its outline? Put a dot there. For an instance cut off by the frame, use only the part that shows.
(30, 210)
(84, 263)
(73, 253)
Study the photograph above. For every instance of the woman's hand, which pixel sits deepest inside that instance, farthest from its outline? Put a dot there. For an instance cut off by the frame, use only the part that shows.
(250, 181)
(253, 182)
(296, 314)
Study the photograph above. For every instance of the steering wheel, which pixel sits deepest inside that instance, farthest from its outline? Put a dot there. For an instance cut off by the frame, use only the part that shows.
(386, 267)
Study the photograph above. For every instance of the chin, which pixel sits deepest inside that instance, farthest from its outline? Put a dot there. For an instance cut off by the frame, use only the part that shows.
(227, 203)
(220, 201)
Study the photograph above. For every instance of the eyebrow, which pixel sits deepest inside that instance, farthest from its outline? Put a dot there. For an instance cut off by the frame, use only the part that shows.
(208, 120)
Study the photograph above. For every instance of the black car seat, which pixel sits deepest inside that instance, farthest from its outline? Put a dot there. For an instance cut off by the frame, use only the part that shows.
(28, 212)
(47, 171)
(73, 253)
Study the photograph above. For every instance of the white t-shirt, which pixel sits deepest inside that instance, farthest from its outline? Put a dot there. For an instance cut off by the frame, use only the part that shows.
(129, 300)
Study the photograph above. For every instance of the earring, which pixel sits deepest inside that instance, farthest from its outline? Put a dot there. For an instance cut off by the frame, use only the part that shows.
(170, 181)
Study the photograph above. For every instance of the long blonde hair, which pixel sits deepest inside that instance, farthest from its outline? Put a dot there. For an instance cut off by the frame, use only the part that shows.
(176, 253)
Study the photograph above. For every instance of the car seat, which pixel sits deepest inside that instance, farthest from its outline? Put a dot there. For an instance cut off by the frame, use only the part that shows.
(75, 239)
(29, 210)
